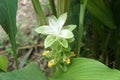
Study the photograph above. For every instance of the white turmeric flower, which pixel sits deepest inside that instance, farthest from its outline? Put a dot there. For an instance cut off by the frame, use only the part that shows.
(56, 31)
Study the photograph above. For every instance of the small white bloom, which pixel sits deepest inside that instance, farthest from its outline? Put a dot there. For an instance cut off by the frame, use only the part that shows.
(55, 28)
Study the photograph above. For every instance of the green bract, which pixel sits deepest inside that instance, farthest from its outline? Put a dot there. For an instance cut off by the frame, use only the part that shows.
(56, 31)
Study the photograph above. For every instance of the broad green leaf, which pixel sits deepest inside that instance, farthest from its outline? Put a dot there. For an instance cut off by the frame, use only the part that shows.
(30, 72)
(8, 10)
(8, 16)
(63, 42)
(3, 63)
(50, 39)
(87, 69)
(100, 11)
(50, 79)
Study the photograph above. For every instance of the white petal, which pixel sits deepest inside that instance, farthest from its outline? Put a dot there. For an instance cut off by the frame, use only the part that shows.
(61, 20)
(66, 34)
(70, 27)
(53, 23)
(44, 30)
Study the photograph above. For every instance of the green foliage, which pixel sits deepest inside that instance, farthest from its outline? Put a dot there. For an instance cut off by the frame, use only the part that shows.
(115, 7)
(87, 69)
(115, 35)
(3, 63)
(100, 31)
(97, 37)
(100, 11)
(30, 72)
(8, 22)
(83, 6)
(74, 19)
(8, 16)
(52, 5)
(62, 7)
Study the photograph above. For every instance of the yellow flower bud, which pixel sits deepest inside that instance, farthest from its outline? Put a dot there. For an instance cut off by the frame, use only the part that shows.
(73, 54)
(67, 60)
(45, 53)
(51, 63)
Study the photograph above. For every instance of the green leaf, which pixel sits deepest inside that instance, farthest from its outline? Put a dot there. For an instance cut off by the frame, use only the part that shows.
(8, 10)
(63, 42)
(50, 79)
(50, 39)
(30, 72)
(8, 16)
(99, 10)
(3, 63)
(87, 69)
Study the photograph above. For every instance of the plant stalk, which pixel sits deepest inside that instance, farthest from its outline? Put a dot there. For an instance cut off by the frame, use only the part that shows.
(81, 25)
(105, 47)
(14, 48)
(63, 6)
(39, 12)
(52, 5)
